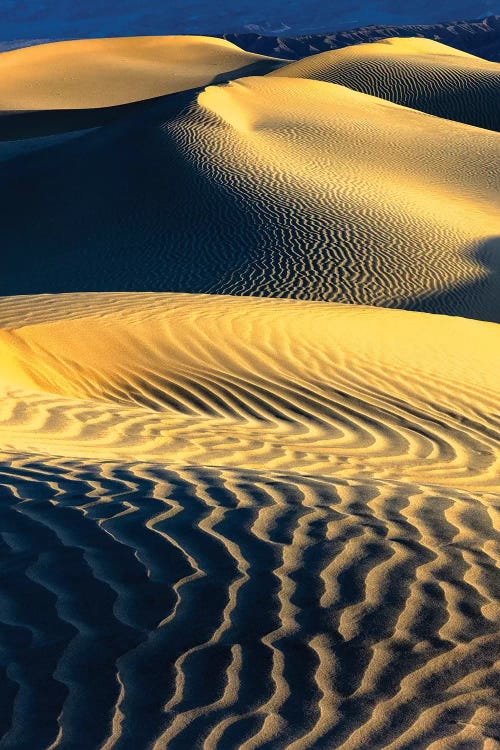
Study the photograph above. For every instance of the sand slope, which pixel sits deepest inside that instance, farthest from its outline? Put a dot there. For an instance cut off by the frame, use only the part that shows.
(418, 73)
(107, 72)
(222, 381)
(266, 186)
(295, 498)
(243, 521)
(327, 613)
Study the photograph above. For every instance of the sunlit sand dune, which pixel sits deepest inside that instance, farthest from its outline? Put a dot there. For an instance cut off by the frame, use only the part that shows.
(294, 498)
(254, 383)
(265, 186)
(418, 73)
(358, 200)
(107, 72)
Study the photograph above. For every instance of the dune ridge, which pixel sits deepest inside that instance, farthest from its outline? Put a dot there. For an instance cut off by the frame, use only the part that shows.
(418, 73)
(401, 209)
(351, 222)
(107, 72)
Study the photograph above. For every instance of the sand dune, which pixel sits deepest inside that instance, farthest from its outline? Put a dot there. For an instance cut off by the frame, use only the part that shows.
(296, 499)
(237, 382)
(107, 72)
(238, 521)
(418, 73)
(400, 209)
(196, 607)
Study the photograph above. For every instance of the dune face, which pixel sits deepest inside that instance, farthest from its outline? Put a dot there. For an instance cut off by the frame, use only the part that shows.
(398, 209)
(417, 73)
(244, 503)
(239, 382)
(295, 498)
(107, 72)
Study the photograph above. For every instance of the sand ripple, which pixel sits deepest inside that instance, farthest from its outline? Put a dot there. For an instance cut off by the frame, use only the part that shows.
(267, 186)
(144, 606)
(358, 200)
(244, 382)
(237, 521)
(418, 73)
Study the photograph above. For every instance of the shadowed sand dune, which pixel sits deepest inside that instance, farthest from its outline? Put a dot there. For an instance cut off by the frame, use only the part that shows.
(418, 73)
(359, 200)
(106, 72)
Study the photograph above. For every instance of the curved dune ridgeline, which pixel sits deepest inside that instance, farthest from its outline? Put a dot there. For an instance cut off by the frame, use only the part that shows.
(418, 73)
(107, 72)
(245, 501)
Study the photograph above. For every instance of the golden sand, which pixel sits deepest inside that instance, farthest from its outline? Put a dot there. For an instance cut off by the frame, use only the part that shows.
(360, 200)
(281, 385)
(105, 72)
(237, 521)
(418, 73)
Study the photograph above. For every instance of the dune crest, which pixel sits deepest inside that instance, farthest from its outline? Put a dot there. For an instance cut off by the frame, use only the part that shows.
(108, 72)
(418, 73)
(387, 213)
(268, 186)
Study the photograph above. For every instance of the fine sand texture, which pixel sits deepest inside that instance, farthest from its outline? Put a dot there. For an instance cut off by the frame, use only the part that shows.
(247, 523)
(268, 186)
(106, 72)
(418, 73)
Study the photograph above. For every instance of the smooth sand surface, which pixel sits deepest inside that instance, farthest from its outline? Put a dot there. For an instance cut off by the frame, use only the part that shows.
(297, 499)
(229, 520)
(106, 72)
(418, 73)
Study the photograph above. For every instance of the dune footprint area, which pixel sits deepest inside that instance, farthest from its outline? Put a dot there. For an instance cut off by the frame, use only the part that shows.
(249, 413)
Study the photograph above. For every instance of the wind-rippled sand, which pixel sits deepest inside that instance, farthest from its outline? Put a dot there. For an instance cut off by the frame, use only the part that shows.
(271, 524)
(232, 521)
(418, 73)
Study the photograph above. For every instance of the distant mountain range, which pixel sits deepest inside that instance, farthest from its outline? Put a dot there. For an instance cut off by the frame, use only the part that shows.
(481, 38)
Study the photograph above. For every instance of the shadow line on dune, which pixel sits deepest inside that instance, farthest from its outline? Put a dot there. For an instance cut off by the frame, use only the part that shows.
(18, 125)
(457, 300)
